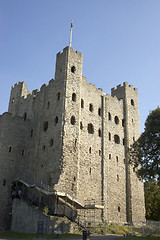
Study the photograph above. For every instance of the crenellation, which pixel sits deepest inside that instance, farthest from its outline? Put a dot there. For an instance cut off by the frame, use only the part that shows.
(100, 89)
(35, 92)
(44, 86)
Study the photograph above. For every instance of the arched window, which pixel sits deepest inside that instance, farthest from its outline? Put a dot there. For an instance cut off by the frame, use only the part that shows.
(109, 116)
(116, 119)
(73, 97)
(90, 150)
(116, 139)
(73, 120)
(10, 149)
(73, 69)
(99, 111)
(45, 126)
(91, 107)
(56, 120)
(90, 128)
(81, 125)
(132, 102)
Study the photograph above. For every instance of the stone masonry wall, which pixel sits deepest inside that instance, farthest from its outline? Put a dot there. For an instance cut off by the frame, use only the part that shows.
(74, 138)
(26, 218)
(132, 132)
(115, 172)
(14, 160)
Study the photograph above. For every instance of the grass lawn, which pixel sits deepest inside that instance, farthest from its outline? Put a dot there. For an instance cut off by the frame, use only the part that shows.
(10, 234)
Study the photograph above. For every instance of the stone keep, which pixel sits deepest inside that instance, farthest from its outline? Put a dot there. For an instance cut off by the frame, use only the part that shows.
(74, 138)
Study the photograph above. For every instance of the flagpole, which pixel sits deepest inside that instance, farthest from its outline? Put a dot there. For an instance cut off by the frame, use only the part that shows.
(70, 42)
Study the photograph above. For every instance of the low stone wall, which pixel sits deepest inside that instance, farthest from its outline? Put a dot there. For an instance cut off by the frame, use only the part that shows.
(25, 218)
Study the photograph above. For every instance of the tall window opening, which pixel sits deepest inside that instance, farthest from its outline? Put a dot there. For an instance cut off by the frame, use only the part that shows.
(122, 122)
(116, 139)
(132, 102)
(116, 119)
(48, 104)
(58, 96)
(56, 120)
(82, 103)
(51, 142)
(4, 182)
(109, 136)
(23, 152)
(91, 107)
(99, 111)
(73, 97)
(73, 69)
(45, 126)
(81, 125)
(90, 128)
(99, 133)
(25, 116)
(73, 120)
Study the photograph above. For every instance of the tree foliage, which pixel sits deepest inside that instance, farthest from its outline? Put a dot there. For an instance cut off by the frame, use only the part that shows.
(145, 152)
(152, 200)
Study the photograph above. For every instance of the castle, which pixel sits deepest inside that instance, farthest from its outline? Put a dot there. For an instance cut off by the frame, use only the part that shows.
(73, 138)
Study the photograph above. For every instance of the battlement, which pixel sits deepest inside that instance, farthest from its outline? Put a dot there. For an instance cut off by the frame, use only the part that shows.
(125, 84)
(114, 99)
(8, 115)
(69, 49)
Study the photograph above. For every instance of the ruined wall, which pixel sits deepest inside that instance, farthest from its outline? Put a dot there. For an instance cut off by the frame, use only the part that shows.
(75, 138)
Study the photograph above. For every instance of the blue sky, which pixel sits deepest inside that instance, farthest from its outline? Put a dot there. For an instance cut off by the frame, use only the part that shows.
(119, 39)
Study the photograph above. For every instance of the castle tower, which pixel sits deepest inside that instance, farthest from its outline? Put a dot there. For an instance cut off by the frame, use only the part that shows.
(134, 197)
(74, 138)
(68, 75)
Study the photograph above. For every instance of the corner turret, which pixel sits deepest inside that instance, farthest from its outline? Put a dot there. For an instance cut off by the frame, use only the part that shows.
(18, 90)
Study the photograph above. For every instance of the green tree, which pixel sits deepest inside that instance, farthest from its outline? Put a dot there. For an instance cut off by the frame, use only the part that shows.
(152, 200)
(145, 152)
